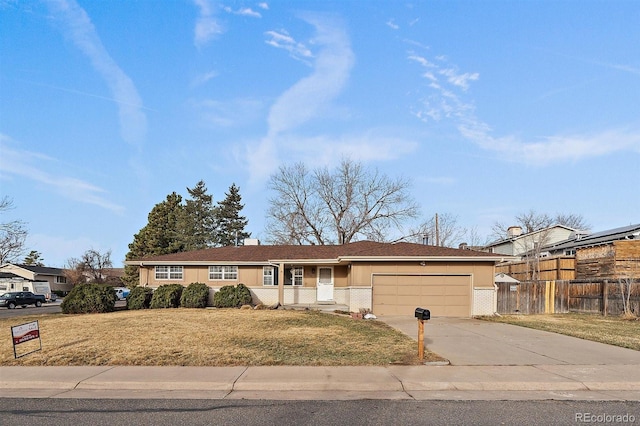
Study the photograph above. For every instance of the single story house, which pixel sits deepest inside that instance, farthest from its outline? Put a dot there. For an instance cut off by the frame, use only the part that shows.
(54, 276)
(386, 278)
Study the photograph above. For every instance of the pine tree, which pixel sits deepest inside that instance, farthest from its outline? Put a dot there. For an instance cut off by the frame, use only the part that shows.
(161, 235)
(34, 258)
(198, 221)
(229, 224)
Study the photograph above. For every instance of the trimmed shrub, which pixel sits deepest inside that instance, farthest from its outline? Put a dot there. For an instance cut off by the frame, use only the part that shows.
(243, 294)
(232, 297)
(167, 296)
(89, 298)
(196, 295)
(139, 298)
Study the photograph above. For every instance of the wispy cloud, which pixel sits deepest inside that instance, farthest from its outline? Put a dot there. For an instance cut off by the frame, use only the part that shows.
(391, 24)
(282, 40)
(79, 28)
(207, 25)
(263, 6)
(311, 96)
(203, 78)
(331, 68)
(243, 11)
(552, 149)
(447, 101)
(33, 166)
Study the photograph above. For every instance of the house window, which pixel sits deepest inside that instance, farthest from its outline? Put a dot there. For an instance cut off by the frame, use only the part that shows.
(61, 280)
(293, 276)
(168, 272)
(267, 275)
(223, 272)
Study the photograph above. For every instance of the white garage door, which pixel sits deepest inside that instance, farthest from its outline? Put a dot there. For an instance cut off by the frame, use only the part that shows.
(443, 295)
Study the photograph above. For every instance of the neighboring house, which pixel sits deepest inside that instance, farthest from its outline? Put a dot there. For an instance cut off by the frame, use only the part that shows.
(55, 276)
(388, 279)
(609, 254)
(518, 244)
(569, 246)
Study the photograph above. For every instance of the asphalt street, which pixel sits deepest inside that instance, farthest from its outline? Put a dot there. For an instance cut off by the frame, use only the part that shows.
(364, 412)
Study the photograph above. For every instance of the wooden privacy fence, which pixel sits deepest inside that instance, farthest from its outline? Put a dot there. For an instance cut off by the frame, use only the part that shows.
(561, 296)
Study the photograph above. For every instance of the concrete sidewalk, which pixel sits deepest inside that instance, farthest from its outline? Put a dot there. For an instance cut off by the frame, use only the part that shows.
(576, 382)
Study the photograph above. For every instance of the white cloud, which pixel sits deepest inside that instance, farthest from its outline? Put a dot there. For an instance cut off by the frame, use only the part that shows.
(552, 149)
(78, 26)
(309, 96)
(203, 78)
(263, 6)
(460, 80)
(207, 26)
(243, 11)
(29, 165)
(282, 40)
(392, 25)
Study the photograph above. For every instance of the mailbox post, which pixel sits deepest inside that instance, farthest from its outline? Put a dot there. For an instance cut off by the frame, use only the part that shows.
(422, 315)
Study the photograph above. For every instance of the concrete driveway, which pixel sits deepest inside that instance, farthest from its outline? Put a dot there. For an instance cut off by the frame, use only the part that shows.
(465, 341)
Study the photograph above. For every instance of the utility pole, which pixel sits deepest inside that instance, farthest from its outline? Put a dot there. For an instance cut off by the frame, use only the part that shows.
(437, 232)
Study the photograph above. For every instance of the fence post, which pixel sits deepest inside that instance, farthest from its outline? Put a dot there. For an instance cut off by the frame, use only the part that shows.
(605, 297)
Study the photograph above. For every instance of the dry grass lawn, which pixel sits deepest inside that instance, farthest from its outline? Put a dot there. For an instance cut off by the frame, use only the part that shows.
(212, 337)
(616, 331)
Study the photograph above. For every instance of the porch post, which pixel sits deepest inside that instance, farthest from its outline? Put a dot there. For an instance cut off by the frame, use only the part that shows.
(281, 284)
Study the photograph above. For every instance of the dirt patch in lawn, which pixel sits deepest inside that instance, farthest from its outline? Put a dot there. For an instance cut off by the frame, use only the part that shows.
(616, 331)
(212, 337)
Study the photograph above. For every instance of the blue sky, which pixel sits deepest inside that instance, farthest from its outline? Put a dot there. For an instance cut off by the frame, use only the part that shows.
(490, 108)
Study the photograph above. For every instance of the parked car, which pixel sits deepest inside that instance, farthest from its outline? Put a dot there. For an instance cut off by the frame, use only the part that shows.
(21, 298)
(122, 292)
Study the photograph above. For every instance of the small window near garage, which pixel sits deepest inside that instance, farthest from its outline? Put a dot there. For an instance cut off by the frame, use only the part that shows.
(169, 272)
(226, 273)
(267, 275)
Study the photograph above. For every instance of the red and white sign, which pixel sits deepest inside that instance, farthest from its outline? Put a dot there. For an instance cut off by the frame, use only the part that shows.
(25, 332)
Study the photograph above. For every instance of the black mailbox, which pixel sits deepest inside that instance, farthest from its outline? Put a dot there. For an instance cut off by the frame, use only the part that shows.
(423, 314)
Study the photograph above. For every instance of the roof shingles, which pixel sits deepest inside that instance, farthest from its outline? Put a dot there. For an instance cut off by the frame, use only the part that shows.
(264, 253)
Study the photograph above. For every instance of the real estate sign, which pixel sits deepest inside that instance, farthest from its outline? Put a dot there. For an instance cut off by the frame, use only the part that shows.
(24, 333)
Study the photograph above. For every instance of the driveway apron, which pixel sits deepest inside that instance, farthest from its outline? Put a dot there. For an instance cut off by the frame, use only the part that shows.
(466, 341)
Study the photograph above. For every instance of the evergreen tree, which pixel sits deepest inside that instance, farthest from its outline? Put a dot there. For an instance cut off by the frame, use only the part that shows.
(34, 258)
(229, 224)
(198, 220)
(161, 235)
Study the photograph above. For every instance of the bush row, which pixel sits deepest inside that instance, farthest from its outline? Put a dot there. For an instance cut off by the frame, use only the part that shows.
(95, 298)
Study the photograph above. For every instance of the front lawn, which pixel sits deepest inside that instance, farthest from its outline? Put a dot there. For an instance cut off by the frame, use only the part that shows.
(212, 337)
(610, 330)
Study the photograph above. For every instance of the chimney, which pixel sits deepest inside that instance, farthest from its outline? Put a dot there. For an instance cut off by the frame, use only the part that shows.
(514, 231)
(251, 242)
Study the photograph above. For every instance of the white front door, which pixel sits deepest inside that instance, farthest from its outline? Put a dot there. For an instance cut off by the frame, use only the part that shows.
(325, 285)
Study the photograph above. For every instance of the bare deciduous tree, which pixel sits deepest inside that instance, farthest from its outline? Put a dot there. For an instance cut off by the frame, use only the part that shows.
(448, 232)
(335, 207)
(12, 235)
(532, 221)
(626, 282)
(93, 266)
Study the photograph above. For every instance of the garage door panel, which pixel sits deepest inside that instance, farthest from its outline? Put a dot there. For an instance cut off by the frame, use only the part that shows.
(443, 295)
